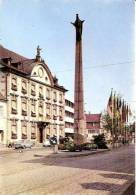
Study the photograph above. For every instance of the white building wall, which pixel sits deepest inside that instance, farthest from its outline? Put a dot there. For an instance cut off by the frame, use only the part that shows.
(69, 120)
(3, 122)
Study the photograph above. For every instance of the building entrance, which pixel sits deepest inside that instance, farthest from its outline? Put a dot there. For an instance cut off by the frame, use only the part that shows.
(41, 126)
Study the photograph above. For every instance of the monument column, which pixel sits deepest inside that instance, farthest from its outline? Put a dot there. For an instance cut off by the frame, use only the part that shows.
(79, 116)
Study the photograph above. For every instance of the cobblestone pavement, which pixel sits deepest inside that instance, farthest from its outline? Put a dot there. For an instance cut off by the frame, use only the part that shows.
(100, 174)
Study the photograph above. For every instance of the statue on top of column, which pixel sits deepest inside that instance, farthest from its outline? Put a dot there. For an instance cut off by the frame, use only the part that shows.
(78, 25)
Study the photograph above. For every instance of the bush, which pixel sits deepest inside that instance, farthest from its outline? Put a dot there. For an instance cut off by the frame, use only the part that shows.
(70, 147)
(73, 147)
(89, 146)
(99, 140)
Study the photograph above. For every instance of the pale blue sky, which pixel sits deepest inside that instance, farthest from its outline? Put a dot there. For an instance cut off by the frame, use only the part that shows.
(108, 38)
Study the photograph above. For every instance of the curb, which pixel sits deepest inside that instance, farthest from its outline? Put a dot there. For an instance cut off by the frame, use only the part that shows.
(66, 155)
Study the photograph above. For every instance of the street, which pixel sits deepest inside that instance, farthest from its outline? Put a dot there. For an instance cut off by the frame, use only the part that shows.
(26, 173)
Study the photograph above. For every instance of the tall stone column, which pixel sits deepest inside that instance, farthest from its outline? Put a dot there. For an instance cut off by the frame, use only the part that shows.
(79, 116)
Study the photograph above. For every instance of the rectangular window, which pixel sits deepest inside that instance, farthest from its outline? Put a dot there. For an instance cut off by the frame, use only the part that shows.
(40, 109)
(60, 98)
(48, 94)
(48, 109)
(14, 83)
(14, 105)
(24, 129)
(13, 129)
(24, 106)
(54, 110)
(33, 90)
(41, 92)
(33, 108)
(33, 130)
(54, 96)
(24, 87)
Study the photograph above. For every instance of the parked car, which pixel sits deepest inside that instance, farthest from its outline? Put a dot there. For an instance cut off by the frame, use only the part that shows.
(22, 144)
(46, 143)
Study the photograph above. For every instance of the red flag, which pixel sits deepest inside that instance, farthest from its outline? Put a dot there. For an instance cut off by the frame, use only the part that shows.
(110, 105)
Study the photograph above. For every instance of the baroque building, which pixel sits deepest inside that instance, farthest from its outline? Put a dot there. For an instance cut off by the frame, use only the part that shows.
(31, 99)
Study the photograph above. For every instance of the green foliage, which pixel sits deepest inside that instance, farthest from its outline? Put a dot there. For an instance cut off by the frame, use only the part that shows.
(70, 146)
(99, 140)
(107, 122)
(89, 146)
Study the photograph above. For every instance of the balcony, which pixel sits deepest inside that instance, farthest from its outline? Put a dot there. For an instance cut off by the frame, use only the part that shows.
(24, 91)
(33, 114)
(24, 136)
(33, 93)
(13, 110)
(33, 136)
(13, 136)
(14, 87)
(24, 112)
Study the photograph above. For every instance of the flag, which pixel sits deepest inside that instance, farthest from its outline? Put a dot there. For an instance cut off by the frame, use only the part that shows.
(110, 105)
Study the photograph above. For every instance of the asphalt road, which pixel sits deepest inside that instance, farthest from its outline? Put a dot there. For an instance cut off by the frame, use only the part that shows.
(25, 173)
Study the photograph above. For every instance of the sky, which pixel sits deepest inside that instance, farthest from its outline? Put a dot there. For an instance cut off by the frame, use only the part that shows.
(108, 42)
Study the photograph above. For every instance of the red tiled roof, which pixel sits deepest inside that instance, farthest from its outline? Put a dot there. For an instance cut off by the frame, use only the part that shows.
(25, 65)
(5, 53)
(93, 117)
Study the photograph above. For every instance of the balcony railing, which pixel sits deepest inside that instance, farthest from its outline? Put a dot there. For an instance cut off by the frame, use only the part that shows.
(33, 114)
(13, 110)
(14, 87)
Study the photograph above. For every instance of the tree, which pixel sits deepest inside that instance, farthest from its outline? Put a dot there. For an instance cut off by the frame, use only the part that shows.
(100, 141)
